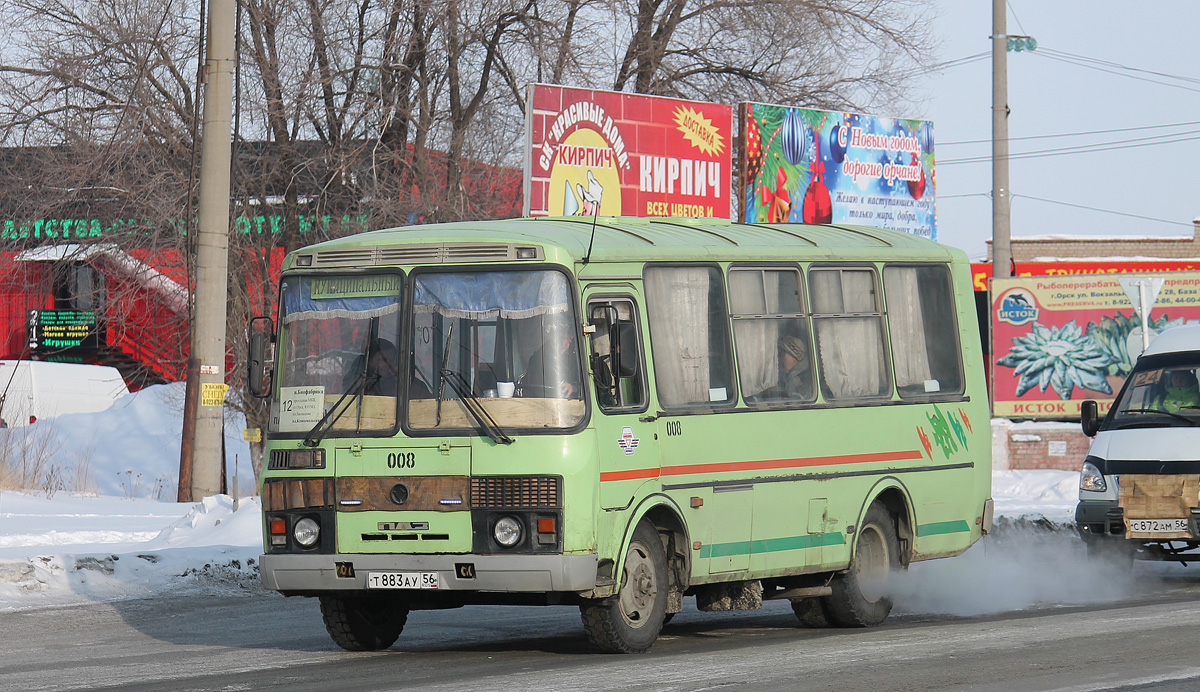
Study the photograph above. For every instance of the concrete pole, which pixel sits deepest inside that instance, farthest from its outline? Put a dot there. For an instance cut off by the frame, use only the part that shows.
(212, 255)
(1001, 199)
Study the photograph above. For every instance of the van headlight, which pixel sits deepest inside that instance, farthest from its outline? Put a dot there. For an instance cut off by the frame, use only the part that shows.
(1090, 478)
(306, 532)
(507, 531)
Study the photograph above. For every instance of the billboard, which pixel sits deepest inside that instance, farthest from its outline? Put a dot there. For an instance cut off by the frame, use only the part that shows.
(799, 165)
(982, 271)
(605, 152)
(1058, 340)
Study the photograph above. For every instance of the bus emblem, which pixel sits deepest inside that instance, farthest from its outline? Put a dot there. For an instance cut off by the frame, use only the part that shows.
(628, 442)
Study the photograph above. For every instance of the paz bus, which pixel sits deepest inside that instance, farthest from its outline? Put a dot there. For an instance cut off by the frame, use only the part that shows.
(616, 414)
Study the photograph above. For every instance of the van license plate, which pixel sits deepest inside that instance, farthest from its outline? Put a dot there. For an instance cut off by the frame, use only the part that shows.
(402, 580)
(1158, 525)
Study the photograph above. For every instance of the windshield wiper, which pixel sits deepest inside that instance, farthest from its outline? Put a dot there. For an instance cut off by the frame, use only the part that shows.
(474, 407)
(1189, 421)
(360, 386)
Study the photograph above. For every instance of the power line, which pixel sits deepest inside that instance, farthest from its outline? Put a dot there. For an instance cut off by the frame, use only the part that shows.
(1073, 134)
(1134, 143)
(1103, 211)
(1109, 63)
(1050, 54)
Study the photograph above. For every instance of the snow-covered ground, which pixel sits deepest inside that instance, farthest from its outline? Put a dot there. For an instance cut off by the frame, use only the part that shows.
(121, 542)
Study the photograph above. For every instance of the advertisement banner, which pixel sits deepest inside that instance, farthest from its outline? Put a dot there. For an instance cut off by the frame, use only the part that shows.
(799, 165)
(1058, 340)
(606, 152)
(982, 271)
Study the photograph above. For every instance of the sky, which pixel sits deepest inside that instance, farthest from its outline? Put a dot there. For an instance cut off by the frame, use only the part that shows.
(1144, 187)
(129, 540)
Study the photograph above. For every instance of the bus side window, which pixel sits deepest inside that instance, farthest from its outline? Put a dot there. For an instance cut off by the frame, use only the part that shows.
(689, 336)
(923, 328)
(848, 322)
(616, 355)
(770, 329)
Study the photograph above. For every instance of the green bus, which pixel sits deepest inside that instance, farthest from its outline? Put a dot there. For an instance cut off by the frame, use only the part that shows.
(616, 413)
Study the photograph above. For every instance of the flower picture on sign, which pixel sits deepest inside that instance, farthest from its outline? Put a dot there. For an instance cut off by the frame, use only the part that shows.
(594, 152)
(799, 165)
(1059, 340)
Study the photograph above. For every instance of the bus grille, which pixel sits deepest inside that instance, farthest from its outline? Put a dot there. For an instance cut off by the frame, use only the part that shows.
(516, 491)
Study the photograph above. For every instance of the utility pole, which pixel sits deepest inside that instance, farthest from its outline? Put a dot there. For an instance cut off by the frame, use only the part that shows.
(1001, 195)
(202, 462)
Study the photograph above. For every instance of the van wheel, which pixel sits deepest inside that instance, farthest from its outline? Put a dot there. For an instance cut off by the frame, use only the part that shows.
(860, 595)
(363, 623)
(629, 622)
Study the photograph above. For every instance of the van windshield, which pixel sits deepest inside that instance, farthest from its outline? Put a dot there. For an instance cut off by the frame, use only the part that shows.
(503, 341)
(1159, 393)
(339, 335)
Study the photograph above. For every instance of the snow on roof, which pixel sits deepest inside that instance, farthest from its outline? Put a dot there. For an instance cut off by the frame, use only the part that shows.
(1059, 237)
(1114, 258)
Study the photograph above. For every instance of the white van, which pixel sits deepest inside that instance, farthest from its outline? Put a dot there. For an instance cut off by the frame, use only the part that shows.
(33, 389)
(1139, 489)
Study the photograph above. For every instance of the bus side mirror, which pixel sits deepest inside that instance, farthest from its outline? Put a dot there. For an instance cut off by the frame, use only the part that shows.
(625, 362)
(1088, 418)
(258, 379)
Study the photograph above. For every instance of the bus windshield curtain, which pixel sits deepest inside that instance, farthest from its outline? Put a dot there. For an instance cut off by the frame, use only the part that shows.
(298, 303)
(488, 295)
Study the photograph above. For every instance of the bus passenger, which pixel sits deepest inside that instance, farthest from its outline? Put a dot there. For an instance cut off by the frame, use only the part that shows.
(381, 369)
(795, 376)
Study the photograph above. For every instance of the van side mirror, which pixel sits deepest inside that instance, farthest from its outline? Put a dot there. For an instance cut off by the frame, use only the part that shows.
(625, 360)
(1089, 418)
(258, 366)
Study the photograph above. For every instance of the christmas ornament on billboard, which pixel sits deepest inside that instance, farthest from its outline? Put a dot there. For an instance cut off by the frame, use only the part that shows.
(818, 207)
(754, 148)
(778, 203)
(794, 138)
(916, 188)
(836, 150)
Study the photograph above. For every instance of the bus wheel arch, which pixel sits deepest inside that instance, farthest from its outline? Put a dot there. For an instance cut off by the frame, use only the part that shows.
(896, 502)
(629, 621)
(860, 595)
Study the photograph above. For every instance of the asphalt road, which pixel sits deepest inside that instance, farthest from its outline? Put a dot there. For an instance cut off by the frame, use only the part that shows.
(259, 640)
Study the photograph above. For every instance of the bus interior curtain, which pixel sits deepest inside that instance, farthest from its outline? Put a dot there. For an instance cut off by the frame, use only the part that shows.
(751, 293)
(678, 308)
(906, 321)
(298, 303)
(489, 295)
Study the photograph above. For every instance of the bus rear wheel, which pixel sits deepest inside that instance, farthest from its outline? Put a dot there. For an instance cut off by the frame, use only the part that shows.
(860, 596)
(363, 623)
(630, 622)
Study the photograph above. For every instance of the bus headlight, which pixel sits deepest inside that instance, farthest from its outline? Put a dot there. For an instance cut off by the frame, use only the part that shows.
(306, 532)
(507, 531)
(1090, 478)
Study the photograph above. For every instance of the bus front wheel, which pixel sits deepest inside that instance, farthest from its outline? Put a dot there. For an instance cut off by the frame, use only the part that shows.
(630, 622)
(363, 623)
(860, 596)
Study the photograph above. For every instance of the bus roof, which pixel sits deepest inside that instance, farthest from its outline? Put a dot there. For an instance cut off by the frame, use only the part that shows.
(655, 238)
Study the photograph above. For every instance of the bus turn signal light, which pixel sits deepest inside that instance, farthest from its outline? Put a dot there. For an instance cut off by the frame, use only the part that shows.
(278, 526)
(545, 525)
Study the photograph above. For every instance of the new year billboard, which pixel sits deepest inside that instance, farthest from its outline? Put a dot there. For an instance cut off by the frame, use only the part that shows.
(611, 153)
(1058, 340)
(799, 165)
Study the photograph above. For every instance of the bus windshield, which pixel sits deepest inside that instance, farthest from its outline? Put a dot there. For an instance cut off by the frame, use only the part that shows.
(338, 335)
(1159, 395)
(501, 341)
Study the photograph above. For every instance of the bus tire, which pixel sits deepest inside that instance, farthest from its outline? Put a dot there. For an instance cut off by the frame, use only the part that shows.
(629, 622)
(363, 623)
(859, 596)
(811, 612)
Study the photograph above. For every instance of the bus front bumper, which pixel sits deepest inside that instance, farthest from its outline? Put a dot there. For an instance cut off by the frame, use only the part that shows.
(512, 573)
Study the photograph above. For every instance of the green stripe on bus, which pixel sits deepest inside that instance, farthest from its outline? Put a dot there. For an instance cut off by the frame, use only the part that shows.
(940, 527)
(771, 545)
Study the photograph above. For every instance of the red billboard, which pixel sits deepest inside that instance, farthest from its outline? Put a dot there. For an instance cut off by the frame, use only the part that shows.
(982, 271)
(1059, 340)
(604, 152)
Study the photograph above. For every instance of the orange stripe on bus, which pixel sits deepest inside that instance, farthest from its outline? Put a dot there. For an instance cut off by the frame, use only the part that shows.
(908, 455)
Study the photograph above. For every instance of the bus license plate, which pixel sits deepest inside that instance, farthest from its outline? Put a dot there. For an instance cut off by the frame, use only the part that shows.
(402, 580)
(1158, 525)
